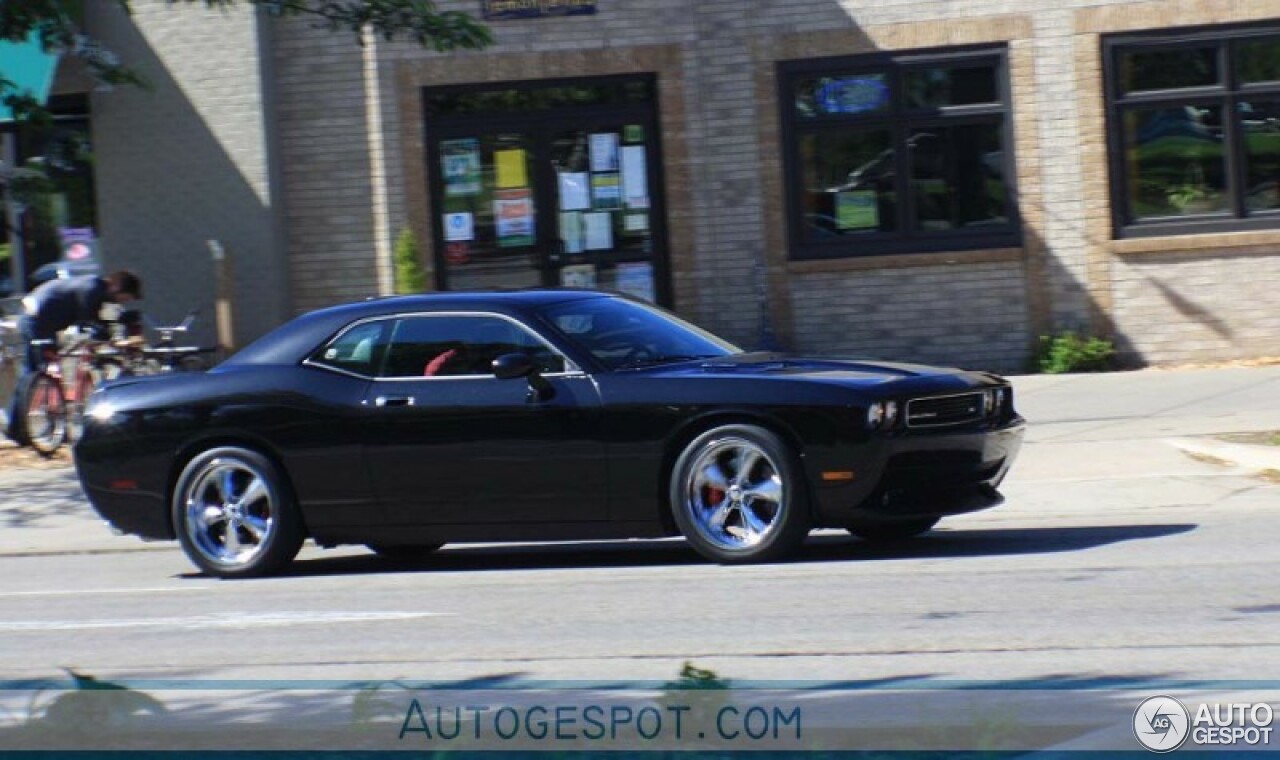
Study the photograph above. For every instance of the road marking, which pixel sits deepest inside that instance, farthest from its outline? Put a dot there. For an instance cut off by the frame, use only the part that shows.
(223, 620)
(77, 592)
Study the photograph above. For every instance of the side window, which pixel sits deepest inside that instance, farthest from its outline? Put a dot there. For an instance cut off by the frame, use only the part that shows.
(461, 346)
(357, 350)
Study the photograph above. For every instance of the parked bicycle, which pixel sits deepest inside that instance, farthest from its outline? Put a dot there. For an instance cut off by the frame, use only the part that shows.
(166, 355)
(52, 398)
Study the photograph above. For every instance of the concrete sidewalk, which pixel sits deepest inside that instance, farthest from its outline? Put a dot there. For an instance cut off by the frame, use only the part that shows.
(1119, 425)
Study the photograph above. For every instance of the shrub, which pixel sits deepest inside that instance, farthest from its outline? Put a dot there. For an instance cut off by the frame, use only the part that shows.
(1069, 352)
(410, 277)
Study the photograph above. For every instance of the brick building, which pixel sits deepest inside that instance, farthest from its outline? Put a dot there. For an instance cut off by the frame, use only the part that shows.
(932, 180)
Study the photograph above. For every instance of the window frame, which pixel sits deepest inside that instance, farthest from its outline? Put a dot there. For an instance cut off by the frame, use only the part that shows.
(899, 120)
(1227, 94)
(571, 368)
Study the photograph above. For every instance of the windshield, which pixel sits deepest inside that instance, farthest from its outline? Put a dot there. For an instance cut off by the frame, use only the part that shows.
(624, 334)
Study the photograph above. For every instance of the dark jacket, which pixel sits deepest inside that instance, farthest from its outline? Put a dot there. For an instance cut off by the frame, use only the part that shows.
(59, 304)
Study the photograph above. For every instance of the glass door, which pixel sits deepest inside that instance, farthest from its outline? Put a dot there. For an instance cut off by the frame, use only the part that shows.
(603, 208)
(548, 185)
(488, 221)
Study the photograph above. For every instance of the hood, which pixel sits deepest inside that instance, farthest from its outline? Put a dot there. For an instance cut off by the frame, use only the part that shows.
(842, 371)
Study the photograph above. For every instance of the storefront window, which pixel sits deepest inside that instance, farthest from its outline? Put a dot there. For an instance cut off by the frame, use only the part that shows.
(957, 177)
(1195, 131)
(898, 154)
(1144, 70)
(1259, 60)
(1260, 121)
(1175, 161)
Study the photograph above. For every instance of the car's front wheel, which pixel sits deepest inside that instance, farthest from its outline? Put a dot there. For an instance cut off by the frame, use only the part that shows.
(893, 530)
(737, 495)
(235, 515)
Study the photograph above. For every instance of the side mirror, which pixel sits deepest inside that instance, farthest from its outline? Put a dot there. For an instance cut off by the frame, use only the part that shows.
(512, 366)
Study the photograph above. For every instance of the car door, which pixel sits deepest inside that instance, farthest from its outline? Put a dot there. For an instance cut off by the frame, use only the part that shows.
(452, 444)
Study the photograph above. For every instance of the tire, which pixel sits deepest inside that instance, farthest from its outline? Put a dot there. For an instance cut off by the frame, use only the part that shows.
(42, 414)
(404, 552)
(734, 511)
(893, 530)
(210, 497)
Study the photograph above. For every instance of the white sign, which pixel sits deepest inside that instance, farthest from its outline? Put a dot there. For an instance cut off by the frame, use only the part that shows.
(459, 227)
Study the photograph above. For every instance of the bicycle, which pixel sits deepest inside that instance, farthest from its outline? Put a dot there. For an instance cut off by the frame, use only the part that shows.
(52, 400)
(166, 356)
(42, 420)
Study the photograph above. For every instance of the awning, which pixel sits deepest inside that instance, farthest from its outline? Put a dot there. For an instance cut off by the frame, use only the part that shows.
(29, 68)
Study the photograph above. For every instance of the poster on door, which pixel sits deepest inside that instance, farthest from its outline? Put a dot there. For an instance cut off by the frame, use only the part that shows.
(459, 227)
(635, 178)
(604, 152)
(578, 276)
(606, 191)
(513, 217)
(460, 163)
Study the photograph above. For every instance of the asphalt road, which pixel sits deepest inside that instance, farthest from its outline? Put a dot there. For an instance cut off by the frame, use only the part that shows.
(1115, 556)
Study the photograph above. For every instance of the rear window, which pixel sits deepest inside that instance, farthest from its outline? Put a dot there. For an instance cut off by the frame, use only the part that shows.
(358, 350)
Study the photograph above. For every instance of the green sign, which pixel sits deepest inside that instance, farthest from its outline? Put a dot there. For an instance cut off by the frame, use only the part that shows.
(857, 210)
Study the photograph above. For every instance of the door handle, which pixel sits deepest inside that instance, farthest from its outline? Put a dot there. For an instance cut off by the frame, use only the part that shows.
(393, 401)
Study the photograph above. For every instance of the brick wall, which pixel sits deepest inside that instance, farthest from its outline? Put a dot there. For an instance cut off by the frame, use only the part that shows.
(187, 160)
(353, 171)
(327, 165)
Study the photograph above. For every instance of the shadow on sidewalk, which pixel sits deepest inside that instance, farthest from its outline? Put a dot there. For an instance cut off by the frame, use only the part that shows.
(31, 498)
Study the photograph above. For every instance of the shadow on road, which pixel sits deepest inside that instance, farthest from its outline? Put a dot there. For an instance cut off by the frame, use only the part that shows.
(820, 548)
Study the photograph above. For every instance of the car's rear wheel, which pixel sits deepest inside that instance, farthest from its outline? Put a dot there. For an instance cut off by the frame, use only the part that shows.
(403, 552)
(235, 514)
(737, 495)
(893, 530)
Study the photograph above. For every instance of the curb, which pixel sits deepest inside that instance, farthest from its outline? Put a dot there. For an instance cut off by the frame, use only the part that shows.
(1242, 455)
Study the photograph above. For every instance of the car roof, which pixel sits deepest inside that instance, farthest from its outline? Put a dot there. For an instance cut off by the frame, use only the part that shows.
(530, 297)
(294, 340)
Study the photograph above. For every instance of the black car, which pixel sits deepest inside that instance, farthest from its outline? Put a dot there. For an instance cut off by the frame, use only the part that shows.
(407, 423)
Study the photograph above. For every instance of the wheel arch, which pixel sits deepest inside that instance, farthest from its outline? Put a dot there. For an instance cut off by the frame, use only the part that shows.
(691, 429)
(192, 449)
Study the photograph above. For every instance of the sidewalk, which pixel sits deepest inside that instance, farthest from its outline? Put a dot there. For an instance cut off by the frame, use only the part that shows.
(1117, 425)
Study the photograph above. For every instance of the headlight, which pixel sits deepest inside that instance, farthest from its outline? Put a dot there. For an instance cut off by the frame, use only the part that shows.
(875, 415)
(989, 402)
(996, 401)
(101, 412)
(882, 415)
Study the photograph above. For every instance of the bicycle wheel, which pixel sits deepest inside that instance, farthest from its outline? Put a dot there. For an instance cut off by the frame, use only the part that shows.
(43, 407)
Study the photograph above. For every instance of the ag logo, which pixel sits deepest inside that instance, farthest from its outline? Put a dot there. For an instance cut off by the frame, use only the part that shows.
(1161, 724)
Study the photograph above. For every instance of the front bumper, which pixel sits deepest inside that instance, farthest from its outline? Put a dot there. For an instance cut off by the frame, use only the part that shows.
(916, 475)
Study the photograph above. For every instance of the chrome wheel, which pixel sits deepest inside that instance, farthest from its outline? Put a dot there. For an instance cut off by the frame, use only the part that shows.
(734, 494)
(230, 512)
